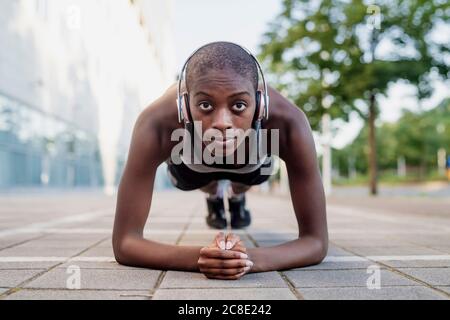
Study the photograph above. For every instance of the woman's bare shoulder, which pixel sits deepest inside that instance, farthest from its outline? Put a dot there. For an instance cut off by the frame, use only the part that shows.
(159, 120)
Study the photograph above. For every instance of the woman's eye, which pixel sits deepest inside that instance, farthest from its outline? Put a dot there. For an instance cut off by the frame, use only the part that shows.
(239, 107)
(205, 106)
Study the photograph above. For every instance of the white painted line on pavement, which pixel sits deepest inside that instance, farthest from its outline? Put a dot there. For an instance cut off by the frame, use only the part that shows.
(410, 258)
(32, 259)
(387, 258)
(327, 259)
(148, 231)
(56, 259)
(44, 226)
(342, 259)
(437, 224)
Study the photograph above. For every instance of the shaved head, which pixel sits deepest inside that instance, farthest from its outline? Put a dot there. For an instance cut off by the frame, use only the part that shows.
(220, 56)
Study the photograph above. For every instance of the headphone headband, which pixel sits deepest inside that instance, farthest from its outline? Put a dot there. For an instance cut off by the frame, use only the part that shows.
(182, 77)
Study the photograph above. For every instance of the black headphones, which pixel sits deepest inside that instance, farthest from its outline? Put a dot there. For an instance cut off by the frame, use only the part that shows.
(262, 96)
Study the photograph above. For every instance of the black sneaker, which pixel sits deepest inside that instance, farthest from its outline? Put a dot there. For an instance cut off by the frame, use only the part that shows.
(240, 216)
(216, 213)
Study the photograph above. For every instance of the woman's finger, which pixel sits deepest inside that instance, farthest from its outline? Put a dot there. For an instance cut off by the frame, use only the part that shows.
(219, 277)
(224, 263)
(240, 247)
(220, 240)
(231, 241)
(222, 254)
(225, 272)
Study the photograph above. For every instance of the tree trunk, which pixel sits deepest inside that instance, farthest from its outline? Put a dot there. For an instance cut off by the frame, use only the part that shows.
(373, 174)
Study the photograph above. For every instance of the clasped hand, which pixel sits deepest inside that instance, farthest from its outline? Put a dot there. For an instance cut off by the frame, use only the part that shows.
(226, 258)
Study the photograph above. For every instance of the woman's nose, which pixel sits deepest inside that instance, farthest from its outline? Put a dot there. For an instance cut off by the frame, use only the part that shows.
(222, 120)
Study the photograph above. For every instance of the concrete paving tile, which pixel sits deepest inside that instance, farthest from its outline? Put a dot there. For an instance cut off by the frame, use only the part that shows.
(336, 251)
(13, 240)
(203, 243)
(61, 243)
(359, 293)
(433, 276)
(107, 243)
(12, 278)
(88, 238)
(273, 236)
(418, 263)
(343, 278)
(444, 288)
(98, 265)
(175, 279)
(210, 237)
(165, 225)
(40, 252)
(393, 250)
(332, 265)
(27, 265)
(443, 249)
(98, 252)
(225, 294)
(27, 294)
(361, 242)
(99, 279)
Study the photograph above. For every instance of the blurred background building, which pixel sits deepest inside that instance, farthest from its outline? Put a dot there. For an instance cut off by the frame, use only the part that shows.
(74, 75)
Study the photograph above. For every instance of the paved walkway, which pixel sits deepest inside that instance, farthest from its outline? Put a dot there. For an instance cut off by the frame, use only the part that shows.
(45, 241)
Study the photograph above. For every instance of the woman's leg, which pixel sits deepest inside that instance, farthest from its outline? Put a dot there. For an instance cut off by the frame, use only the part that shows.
(238, 190)
(240, 216)
(214, 200)
(211, 188)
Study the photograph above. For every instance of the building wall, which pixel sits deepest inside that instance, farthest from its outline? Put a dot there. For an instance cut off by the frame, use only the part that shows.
(74, 75)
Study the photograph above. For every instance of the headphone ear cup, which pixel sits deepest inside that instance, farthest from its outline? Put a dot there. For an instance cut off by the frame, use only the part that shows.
(262, 105)
(180, 109)
(265, 107)
(187, 116)
(257, 108)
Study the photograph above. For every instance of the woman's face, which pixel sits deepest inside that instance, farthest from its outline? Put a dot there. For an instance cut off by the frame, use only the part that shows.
(225, 104)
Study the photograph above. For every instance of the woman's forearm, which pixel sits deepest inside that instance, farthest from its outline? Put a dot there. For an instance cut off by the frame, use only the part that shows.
(139, 252)
(294, 254)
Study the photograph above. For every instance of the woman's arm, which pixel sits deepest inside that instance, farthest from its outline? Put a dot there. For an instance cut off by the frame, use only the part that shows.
(308, 200)
(133, 205)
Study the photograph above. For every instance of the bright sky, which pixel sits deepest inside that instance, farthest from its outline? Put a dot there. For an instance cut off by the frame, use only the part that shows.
(198, 22)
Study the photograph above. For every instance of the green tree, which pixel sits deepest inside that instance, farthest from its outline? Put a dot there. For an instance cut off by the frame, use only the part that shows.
(336, 57)
(415, 136)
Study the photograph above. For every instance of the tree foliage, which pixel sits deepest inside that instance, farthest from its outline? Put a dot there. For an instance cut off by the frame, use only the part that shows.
(319, 53)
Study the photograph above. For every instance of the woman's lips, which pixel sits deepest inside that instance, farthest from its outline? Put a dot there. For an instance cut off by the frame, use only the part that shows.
(228, 144)
(224, 142)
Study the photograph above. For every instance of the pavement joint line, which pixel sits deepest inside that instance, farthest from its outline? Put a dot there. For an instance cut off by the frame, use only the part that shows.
(122, 291)
(19, 287)
(291, 286)
(343, 259)
(361, 286)
(286, 280)
(22, 242)
(407, 276)
(41, 226)
(250, 286)
(97, 289)
(425, 246)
